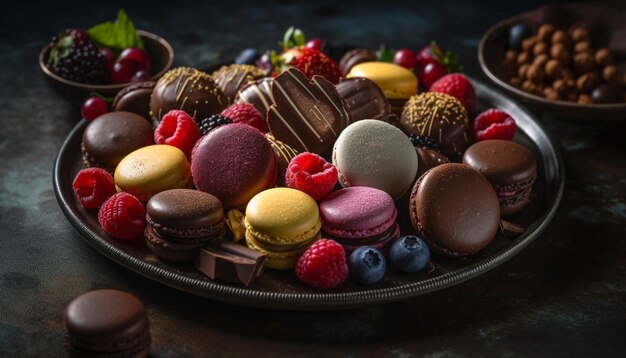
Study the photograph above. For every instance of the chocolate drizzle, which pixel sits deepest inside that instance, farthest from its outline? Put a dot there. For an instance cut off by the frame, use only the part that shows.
(232, 78)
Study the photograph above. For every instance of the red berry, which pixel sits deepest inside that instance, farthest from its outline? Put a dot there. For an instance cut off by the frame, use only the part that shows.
(93, 186)
(123, 216)
(247, 114)
(312, 174)
(140, 76)
(323, 265)
(493, 124)
(177, 129)
(93, 108)
(457, 86)
(123, 70)
(315, 43)
(405, 58)
(109, 56)
(137, 55)
(425, 55)
(431, 73)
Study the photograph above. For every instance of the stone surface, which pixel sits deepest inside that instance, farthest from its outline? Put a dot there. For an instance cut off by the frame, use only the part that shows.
(565, 295)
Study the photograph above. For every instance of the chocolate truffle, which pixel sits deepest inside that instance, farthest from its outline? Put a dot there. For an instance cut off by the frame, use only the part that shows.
(232, 78)
(284, 154)
(427, 159)
(190, 90)
(510, 167)
(364, 99)
(441, 117)
(258, 94)
(110, 137)
(135, 98)
(354, 57)
(106, 323)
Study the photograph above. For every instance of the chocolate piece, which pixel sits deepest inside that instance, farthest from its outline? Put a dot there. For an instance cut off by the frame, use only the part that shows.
(354, 57)
(258, 94)
(455, 210)
(110, 137)
(364, 99)
(190, 90)
(232, 78)
(284, 154)
(135, 98)
(308, 114)
(510, 229)
(106, 323)
(230, 262)
(441, 117)
(427, 159)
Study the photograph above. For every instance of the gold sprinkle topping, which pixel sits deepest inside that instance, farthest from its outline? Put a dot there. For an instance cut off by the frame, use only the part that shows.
(424, 109)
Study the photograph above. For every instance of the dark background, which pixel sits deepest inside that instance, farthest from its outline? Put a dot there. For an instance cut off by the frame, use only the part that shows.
(565, 295)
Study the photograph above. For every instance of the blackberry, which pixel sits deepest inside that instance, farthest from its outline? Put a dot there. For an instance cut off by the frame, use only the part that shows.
(213, 122)
(74, 57)
(422, 141)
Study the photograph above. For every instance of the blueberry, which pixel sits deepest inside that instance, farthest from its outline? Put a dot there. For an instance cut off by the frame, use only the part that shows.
(517, 33)
(247, 57)
(367, 265)
(409, 253)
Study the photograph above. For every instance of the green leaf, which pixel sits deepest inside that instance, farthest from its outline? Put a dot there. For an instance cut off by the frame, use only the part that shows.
(287, 36)
(117, 35)
(298, 36)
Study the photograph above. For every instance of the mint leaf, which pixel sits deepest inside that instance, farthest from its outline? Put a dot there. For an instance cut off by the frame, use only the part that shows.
(117, 35)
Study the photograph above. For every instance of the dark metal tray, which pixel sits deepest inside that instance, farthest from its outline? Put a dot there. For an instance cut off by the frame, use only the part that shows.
(282, 290)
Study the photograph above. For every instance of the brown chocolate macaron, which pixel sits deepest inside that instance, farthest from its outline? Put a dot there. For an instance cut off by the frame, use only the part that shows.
(354, 57)
(234, 77)
(106, 323)
(454, 209)
(135, 98)
(110, 137)
(510, 167)
(181, 221)
(364, 99)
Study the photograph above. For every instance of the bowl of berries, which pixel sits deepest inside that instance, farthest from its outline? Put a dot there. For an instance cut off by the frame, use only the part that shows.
(561, 60)
(103, 59)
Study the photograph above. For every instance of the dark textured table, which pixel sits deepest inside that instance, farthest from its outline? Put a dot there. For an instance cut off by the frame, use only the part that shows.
(565, 295)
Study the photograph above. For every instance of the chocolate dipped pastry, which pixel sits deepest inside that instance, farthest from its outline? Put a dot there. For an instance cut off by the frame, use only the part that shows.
(441, 117)
(428, 155)
(364, 99)
(258, 94)
(354, 57)
(231, 262)
(187, 89)
(510, 167)
(284, 154)
(232, 78)
(135, 98)
(308, 114)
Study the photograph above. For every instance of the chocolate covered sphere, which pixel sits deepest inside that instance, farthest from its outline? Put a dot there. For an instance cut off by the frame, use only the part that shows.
(258, 94)
(232, 78)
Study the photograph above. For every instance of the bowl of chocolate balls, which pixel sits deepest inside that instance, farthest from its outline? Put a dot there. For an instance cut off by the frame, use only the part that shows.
(567, 61)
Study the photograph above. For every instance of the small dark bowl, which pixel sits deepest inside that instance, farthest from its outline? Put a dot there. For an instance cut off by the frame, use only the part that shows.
(161, 55)
(493, 46)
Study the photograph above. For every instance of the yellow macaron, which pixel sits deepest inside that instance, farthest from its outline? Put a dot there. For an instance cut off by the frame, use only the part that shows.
(151, 170)
(282, 223)
(395, 81)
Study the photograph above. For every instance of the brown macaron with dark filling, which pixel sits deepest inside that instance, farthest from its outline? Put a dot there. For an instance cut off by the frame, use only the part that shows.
(106, 323)
(510, 167)
(135, 98)
(181, 221)
(454, 209)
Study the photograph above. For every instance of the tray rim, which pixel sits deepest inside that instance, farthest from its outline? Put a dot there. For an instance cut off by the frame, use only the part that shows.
(320, 300)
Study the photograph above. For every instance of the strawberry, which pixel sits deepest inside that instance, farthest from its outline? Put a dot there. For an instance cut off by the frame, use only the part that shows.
(457, 86)
(310, 61)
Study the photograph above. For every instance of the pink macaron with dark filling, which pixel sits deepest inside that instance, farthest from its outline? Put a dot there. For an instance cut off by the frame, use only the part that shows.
(358, 216)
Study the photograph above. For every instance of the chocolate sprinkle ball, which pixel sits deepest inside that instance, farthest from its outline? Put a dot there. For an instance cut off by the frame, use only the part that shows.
(187, 89)
(232, 78)
(441, 117)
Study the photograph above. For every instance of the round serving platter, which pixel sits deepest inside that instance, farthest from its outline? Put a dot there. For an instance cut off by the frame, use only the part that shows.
(282, 290)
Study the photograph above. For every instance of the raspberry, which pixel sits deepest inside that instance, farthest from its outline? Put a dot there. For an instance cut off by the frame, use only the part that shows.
(493, 124)
(323, 265)
(423, 141)
(93, 186)
(247, 114)
(123, 216)
(179, 130)
(457, 86)
(213, 122)
(312, 174)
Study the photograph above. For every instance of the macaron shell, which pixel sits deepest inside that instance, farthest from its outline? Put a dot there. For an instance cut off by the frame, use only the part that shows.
(152, 169)
(395, 81)
(284, 260)
(502, 162)
(455, 208)
(185, 209)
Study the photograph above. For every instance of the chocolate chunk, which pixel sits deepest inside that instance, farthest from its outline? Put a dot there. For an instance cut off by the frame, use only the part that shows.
(230, 262)
(510, 229)
(234, 77)
(364, 99)
(308, 115)
(258, 94)
(135, 98)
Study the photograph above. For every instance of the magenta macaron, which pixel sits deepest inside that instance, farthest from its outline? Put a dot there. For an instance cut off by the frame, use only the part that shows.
(358, 216)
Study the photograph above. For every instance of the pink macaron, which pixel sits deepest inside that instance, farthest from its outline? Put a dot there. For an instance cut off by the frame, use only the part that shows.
(358, 216)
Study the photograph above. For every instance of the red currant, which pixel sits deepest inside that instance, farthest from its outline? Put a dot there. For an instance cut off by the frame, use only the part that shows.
(315, 43)
(138, 55)
(123, 70)
(140, 76)
(93, 108)
(431, 73)
(405, 58)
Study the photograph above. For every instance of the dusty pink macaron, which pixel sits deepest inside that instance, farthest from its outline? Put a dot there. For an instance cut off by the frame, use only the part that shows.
(358, 216)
